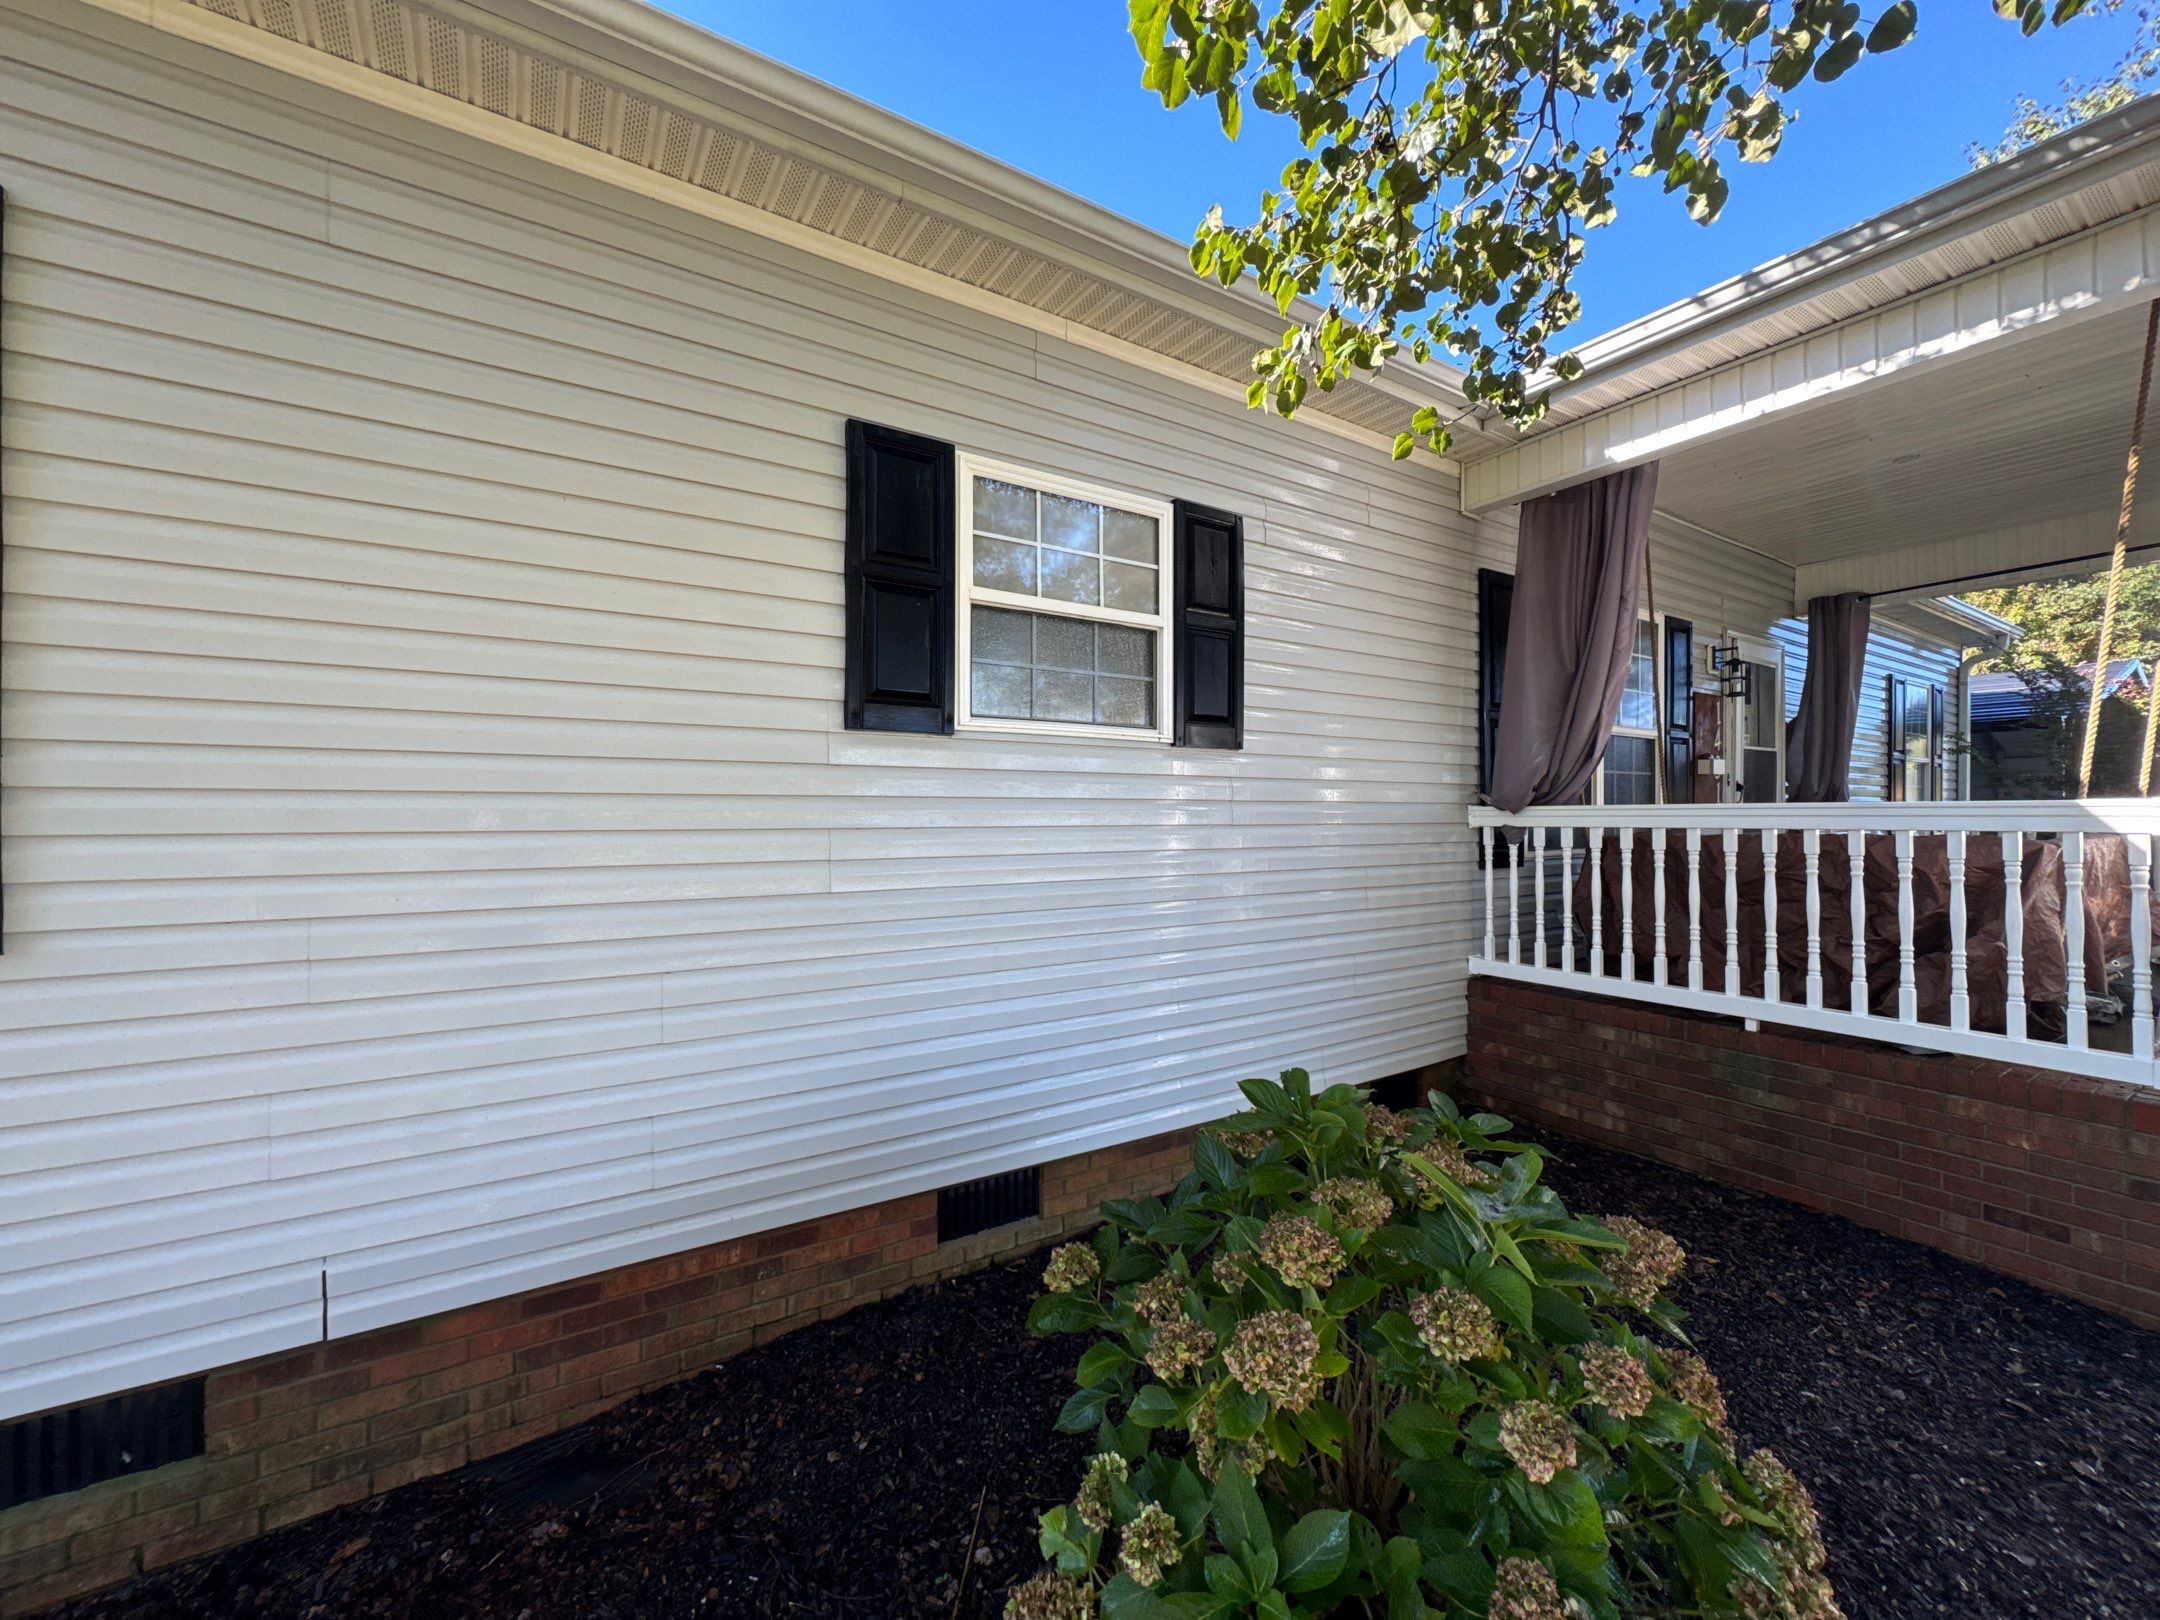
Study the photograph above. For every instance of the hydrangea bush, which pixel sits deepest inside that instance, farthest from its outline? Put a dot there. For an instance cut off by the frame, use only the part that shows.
(1363, 1362)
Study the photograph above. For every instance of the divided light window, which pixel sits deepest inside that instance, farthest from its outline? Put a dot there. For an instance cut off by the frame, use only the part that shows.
(1065, 602)
(1628, 774)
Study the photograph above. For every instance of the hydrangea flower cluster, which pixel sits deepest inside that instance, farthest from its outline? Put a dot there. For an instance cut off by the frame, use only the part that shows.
(1355, 1201)
(1072, 1267)
(1150, 1545)
(1539, 1438)
(1178, 1348)
(1303, 1251)
(1228, 1270)
(1050, 1596)
(1106, 1471)
(1452, 1162)
(1696, 1386)
(1524, 1589)
(1385, 1125)
(1643, 1269)
(1246, 1144)
(1272, 1354)
(1160, 1299)
(1616, 1380)
(1799, 1552)
(1210, 1451)
(1455, 1325)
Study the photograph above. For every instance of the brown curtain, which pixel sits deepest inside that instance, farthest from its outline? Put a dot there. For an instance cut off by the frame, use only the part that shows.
(1571, 632)
(1818, 743)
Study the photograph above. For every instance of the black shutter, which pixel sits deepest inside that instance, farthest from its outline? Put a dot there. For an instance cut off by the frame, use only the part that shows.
(1679, 711)
(899, 581)
(1938, 744)
(1895, 699)
(1210, 621)
(1495, 602)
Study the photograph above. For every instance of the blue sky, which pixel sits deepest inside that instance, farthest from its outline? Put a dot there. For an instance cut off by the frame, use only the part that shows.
(1054, 89)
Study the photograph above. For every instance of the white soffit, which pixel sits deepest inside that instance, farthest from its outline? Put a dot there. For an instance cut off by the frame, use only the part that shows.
(621, 79)
(2063, 232)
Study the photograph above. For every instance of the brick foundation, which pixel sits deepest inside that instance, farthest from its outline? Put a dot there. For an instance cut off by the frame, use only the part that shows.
(294, 1434)
(2049, 1177)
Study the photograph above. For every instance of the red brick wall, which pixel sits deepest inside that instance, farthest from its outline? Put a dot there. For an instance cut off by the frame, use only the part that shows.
(2045, 1176)
(291, 1435)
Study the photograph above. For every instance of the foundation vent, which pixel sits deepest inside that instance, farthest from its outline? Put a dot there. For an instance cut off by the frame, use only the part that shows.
(977, 1206)
(81, 1445)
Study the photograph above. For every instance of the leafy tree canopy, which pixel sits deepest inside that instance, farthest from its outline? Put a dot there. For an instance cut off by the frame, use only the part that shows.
(2033, 120)
(1457, 151)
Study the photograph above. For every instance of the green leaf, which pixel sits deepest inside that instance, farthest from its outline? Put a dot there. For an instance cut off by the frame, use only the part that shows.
(1153, 1408)
(1895, 26)
(1241, 1523)
(1314, 1550)
(1217, 1165)
(1422, 1431)
(1082, 1411)
(1102, 1364)
(1507, 1294)
(1066, 1313)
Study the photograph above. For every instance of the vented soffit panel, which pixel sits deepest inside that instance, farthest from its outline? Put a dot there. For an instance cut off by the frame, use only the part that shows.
(589, 72)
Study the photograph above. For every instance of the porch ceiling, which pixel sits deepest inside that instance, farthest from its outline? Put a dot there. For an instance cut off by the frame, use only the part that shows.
(2008, 457)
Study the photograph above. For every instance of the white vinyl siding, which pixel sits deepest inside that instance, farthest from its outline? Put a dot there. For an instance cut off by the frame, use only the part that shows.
(435, 866)
(1894, 649)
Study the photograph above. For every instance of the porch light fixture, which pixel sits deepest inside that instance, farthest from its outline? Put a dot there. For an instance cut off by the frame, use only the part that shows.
(1735, 675)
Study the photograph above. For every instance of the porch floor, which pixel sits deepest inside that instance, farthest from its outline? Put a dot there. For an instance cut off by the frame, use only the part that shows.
(1976, 1447)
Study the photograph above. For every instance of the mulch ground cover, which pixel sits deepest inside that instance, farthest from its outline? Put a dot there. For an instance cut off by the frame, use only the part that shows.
(1977, 1449)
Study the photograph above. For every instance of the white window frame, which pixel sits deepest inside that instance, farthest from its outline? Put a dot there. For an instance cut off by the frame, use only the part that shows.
(969, 596)
(1657, 673)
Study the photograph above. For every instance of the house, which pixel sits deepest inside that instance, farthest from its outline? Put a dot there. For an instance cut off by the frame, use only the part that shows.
(2027, 731)
(627, 679)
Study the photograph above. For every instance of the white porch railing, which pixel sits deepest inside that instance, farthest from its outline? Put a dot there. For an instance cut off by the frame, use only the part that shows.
(1752, 911)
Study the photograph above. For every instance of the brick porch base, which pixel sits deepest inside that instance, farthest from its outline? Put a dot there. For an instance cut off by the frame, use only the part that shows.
(292, 1435)
(2049, 1177)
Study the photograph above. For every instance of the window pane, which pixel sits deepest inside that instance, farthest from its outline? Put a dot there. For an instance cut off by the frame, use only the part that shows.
(1075, 525)
(1630, 771)
(1003, 637)
(1069, 577)
(1122, 702)
(1128, 587)
(1037, 666)
(1128, 535)
(1002, 565)
(1061, 695)
(1002, 508)
(1638, 700)
(1125, 652)
(1002, 691)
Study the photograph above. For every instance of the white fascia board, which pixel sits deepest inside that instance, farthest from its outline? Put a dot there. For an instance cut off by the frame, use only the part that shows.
(2075, 279)
(2075, 542)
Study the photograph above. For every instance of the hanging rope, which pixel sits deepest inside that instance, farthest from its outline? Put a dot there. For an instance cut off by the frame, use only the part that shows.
(2102, 653)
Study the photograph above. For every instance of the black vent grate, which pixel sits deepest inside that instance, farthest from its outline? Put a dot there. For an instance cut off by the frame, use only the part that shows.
(99, 1440)
(976, 1206)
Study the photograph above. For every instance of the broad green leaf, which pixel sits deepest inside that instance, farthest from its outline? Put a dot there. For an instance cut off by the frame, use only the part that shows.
(1314, 1550)
(1241, 1523)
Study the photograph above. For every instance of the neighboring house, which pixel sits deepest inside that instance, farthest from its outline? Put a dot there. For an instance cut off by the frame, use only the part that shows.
(619, 667)
(2028, 730)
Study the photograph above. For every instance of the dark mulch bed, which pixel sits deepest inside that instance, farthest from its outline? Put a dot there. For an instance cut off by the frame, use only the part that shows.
(1978, 1449)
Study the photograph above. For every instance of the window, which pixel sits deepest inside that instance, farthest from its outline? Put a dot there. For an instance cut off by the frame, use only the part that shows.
(1065, 597)
(1916, 738)
(1629, 772)
(1761, 732)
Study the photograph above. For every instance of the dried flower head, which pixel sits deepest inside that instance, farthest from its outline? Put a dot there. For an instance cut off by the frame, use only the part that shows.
(1616, 1380)
(1650, 1261)
(1050, 1596)
(1302, 1250)
(1106, 1471)
(1272, 1354)
(1539, 1438)
(1455, 1325)
(1354, 1201)
(1228, 1270)
(1696, 1386)
(1072, 1266)
(1246, 1144)
(1383, 1124)
(1177, 1348)
(1211, 1451)
(1799, 1551)
(1445, 1157)
(1160, 1299)
(1150, 1545)
(1524, 1589)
